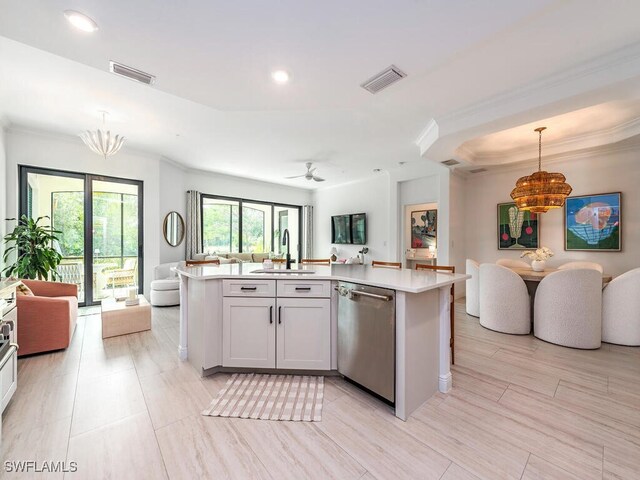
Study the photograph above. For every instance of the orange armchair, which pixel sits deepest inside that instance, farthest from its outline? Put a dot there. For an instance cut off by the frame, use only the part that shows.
(47, 320)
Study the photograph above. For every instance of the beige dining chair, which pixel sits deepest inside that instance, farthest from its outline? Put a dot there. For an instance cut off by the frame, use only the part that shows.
(504, 300)
(377, 263)
(574, 265)
(621, 310)
(568, 308)
(472, 288)
(316, 261)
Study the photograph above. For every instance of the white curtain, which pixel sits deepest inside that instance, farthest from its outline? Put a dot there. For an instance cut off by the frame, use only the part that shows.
(194, 224)
(307, 231)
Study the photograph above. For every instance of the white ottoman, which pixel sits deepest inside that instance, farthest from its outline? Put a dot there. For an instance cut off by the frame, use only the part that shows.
(165, 292)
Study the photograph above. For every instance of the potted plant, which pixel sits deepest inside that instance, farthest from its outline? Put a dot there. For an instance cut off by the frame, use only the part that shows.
(538, 258)
(33, 245)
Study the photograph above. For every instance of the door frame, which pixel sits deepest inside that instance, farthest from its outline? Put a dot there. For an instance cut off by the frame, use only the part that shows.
(25, 170)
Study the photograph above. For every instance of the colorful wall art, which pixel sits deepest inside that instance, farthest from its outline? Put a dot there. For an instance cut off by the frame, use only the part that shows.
(592, 222)
(517, 230)
(424, 228)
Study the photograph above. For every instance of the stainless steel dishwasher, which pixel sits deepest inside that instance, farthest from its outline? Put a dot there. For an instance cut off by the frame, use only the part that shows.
(367, 337)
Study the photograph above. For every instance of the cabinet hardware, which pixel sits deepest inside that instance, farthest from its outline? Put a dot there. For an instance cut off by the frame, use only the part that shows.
(271, 314)
(249, 288)
(280, 314)
(303, 289)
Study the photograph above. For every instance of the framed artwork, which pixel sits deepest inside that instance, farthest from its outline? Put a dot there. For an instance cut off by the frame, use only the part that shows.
(517, 229)
(359, 228)
(424, 228)
(593, 222)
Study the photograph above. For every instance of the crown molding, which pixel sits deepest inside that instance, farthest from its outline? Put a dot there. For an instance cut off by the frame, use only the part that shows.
(561, 158)
(627, 56)
(428, 136)
(599, 138)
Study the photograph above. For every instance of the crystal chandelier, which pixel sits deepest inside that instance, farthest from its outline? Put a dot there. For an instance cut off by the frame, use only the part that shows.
(541, 191)
(101, 141)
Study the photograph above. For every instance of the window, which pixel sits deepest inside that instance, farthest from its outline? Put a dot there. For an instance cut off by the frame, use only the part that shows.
(238, 225)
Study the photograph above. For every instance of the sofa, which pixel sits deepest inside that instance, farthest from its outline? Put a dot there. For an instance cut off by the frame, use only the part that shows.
(46, 319)
(165, 286)
(234, 257)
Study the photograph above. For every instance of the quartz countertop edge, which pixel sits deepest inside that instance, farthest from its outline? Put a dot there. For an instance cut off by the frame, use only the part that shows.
(405, 280)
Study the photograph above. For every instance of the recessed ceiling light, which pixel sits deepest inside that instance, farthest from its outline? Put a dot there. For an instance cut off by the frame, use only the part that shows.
(81, 21)
(280, 76)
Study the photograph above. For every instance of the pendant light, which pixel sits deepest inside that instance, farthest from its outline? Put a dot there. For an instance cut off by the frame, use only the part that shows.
(541, 191)
(101, 141)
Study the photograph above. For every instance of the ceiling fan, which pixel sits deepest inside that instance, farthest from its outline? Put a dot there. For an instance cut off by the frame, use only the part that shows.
(310, 175)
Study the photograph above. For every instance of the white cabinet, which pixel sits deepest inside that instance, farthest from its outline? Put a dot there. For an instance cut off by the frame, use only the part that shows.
(304, 333)
(290, 332)
(248, 332)
(8, 376)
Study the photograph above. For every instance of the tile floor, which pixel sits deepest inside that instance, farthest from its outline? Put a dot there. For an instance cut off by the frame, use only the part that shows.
(126, 407)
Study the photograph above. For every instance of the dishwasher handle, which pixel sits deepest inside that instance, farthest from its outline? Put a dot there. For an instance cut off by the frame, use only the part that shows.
(384, 298)
(351, 293)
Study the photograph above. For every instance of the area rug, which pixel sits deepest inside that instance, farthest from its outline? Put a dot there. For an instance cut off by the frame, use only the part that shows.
(295, 398)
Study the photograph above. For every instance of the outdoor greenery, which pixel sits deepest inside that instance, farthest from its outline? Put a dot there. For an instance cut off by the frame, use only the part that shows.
(220, 229)
(33, 245)
(115, 224)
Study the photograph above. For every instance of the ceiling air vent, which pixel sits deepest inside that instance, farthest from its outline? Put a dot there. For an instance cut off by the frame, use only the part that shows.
(450, 163)
(131, 73)
(383, 79)
(478, 170)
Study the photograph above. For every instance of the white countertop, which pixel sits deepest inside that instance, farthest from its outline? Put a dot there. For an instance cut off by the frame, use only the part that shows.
(411, 281)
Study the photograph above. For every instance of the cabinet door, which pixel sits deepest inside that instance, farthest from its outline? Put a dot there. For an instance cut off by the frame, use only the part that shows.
(8, 376)
(248, 332)
(304, 333)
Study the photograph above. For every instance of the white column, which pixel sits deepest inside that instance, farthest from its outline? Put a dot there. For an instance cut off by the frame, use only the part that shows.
(184, 316)
(444, 378)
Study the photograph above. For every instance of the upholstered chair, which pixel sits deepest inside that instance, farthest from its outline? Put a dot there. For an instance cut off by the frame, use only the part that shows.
(568, 308)
(165, 287)
(621, 310)
(574, 265)
(473, 287)
(46, 319)
(504, 300)
(511, 263)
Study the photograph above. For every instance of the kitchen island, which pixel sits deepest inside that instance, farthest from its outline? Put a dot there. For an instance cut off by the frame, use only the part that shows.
(236, 317)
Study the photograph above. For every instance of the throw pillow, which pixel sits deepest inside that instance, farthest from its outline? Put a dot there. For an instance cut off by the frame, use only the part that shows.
(22, 289)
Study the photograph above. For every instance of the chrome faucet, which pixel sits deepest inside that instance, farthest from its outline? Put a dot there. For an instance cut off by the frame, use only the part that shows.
(287, 241)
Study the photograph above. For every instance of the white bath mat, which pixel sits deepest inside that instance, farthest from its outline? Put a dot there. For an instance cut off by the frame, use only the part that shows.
(295, 398)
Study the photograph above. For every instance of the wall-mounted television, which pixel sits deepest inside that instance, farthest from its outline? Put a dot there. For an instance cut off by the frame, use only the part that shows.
(350, 229)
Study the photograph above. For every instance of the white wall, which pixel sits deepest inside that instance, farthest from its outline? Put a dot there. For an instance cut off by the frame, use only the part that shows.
(617, 171)
(229, 186)
(3, 196)
(457, 228)
(173, 197)
(370, 196)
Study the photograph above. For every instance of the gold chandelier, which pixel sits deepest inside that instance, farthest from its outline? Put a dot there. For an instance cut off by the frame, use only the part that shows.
(541, 191)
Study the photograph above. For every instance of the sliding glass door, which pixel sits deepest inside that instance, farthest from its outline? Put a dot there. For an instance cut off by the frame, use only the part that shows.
(100, 220)
(115, 239)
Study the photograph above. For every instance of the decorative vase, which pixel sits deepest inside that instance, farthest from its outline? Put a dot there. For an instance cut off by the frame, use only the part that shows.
(538, 265)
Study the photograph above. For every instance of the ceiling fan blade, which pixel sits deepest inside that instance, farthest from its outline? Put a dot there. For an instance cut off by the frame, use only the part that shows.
(297, 176)
(318, 179)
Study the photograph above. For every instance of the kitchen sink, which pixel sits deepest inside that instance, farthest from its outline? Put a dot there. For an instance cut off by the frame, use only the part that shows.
(282, 270)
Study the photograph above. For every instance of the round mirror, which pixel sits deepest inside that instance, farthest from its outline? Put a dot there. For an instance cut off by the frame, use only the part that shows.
(173, 229)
